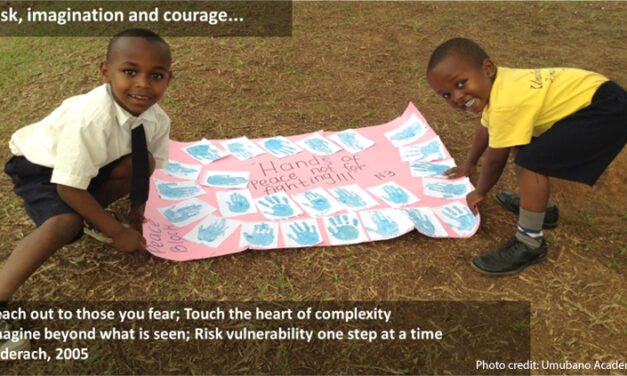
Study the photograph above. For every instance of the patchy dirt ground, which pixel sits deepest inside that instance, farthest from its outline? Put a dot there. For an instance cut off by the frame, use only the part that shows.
(352, 65)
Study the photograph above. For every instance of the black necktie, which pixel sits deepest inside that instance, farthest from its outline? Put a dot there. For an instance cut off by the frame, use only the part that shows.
(139, 183)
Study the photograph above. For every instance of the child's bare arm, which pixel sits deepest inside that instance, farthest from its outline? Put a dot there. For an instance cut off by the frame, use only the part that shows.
(491, 171)
(479, 144)
(124, 239)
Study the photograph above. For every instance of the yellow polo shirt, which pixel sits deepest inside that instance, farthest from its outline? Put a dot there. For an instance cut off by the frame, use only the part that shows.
(525, 103)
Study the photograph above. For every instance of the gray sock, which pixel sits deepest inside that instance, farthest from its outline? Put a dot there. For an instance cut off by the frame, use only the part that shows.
(530, 228)
(550, 203)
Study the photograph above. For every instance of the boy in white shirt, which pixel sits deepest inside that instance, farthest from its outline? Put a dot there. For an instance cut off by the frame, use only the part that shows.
(72, 164)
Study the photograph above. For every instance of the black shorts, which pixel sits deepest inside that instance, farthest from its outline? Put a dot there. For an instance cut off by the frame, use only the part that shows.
(41, 200)
(580, 146)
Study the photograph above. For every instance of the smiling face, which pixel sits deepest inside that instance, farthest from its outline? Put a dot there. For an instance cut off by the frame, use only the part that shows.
(138, 70)
(463, 86)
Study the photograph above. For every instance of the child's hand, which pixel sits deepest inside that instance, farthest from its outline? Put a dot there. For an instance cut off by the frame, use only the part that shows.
(129, 240)
(472, 200)
(466, 169)
(136, 216)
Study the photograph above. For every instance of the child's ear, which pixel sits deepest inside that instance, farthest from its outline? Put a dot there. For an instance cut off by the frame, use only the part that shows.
(489, 68)
(104, 71)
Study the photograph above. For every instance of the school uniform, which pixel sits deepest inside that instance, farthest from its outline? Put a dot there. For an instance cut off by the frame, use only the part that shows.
(78, 145)
(569, 123)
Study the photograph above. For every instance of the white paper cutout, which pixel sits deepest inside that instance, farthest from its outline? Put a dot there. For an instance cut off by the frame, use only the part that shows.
(426, 222)
(353, 197)
(234, 203)
(170, 190)
(393, 194)
(386, 223)
(408, 132)
(242, 148)
(226, 179)
(277, 206)
(301, 233)
(205, 152)
(431, 150)
(319, 145)
(212, 231)
(317, 202)
(280, 146)
(182, 170)
(445, 188)
(344, 229)
(183, 213)
(351, 141)
(259, 235)
(458, 217)
(427, 169)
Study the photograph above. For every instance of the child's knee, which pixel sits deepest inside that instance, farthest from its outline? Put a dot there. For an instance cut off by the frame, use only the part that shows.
(529, 178)
(525, 172)
(124, 169)
(63, 228)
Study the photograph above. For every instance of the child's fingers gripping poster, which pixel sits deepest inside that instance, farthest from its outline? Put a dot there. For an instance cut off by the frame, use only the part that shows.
(218, 197)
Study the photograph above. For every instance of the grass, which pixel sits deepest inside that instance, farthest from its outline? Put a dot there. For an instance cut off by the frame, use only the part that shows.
(520, 326)
(588, 218)
(348, 65)
(283, 286)
(615, 257)
(213, 278)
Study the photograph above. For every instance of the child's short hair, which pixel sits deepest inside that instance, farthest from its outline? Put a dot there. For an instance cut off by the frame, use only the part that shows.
(141, 33)
(462, 47)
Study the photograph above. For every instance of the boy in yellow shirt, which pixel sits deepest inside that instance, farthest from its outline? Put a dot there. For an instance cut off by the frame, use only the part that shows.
(559, 122)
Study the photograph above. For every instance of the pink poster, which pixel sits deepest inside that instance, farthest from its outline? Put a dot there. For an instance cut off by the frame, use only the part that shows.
(218, 197)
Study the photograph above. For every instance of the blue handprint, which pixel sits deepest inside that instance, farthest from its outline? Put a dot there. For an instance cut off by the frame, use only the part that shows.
(431, 148)
(427, 150)
(461, 218)
(226, 180)
(305, 234)
(319, 144)
(386, 227)
(349, 198)
(262, 235)
(421, 222)
(240, 150)
(174, 167)
(278, 208)
(408, 132)
(317, 201)
(395, 194)
(171, 190)
(278, 146)
(342, 229)
(211, 232)
(350, 139)
(238, 203)
(448, 190)
(182, 214)
(429, 169)
(204, 152)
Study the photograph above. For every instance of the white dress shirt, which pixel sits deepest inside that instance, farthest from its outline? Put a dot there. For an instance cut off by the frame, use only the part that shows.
(87, 132)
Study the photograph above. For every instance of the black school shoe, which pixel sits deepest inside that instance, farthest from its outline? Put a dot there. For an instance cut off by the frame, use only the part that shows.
(511, 258)
(511, 201)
